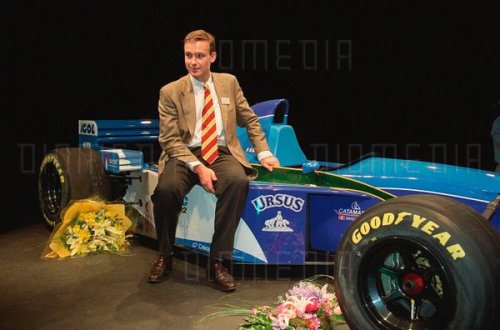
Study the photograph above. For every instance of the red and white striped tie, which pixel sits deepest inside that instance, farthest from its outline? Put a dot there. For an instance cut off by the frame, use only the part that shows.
(209, 149)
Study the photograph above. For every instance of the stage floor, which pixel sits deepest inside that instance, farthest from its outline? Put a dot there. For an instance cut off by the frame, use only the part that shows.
(111, 291)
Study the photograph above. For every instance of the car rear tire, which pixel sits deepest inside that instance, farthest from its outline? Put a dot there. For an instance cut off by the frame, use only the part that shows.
(70, 174)
(419, 262)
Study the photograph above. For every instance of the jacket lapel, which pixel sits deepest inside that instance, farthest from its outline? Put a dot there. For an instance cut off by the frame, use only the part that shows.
(188, 105)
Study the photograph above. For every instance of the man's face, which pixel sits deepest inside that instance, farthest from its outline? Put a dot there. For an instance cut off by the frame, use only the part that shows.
(198, 59)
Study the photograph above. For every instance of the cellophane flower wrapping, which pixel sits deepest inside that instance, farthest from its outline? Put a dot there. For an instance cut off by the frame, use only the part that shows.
(89, 226)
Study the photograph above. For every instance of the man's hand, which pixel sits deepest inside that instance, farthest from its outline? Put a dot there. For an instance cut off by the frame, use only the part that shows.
(207, 177)
(269, 162)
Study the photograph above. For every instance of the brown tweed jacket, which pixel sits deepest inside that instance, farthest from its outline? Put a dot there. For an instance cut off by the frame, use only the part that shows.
(177, 114)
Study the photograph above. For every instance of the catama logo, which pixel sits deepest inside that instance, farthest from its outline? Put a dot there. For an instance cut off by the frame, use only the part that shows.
(349, 214)
(264, 202)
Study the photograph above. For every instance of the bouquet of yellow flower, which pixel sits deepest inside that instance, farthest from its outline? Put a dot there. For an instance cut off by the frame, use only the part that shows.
(89, 226)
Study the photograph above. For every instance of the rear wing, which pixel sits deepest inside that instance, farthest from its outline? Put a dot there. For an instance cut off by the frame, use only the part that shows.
(96, 134)
(102, 135)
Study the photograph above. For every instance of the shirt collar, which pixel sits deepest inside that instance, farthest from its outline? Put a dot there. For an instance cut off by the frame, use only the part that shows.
(198, 84)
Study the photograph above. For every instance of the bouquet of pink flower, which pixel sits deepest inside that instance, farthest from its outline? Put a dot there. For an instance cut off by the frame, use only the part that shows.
(308, 305)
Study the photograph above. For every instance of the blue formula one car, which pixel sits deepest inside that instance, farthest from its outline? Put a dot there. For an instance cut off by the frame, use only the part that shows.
(415, 244)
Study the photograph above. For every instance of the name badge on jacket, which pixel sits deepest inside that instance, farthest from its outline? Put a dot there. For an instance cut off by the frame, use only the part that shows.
(225, 100)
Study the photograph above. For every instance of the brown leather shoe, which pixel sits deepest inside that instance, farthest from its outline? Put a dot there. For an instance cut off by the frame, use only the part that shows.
(160, 269)
(219, 277)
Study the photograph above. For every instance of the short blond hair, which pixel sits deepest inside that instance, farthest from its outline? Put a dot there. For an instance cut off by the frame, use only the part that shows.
(198, 35)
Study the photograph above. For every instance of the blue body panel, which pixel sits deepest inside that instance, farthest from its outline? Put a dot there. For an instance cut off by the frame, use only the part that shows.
(472, 187)
(276, 215)
(332, 213)
(281, 221)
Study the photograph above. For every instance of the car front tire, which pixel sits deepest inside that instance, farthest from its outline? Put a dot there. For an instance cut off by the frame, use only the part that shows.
(419, 262)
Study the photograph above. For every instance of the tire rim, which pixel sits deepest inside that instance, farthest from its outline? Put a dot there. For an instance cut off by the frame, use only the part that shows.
(50, 189)
(405, 286)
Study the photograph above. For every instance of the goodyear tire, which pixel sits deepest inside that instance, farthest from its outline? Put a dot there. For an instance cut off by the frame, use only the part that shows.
(69, 174)
(419, 262)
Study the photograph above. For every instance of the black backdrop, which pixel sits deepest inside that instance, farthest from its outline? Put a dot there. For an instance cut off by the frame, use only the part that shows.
(410, 79)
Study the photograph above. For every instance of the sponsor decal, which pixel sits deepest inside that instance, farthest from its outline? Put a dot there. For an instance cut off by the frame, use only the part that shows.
(250, 149)
(108, 161)
(201, 246)
(87, 127)
(277, 224)
(415, 221)
(349, 214)
(264, 202)
(113, 161)
(185, 203)
(49, 159)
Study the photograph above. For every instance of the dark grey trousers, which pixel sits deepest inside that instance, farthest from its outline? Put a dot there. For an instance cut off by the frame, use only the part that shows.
(176, 181)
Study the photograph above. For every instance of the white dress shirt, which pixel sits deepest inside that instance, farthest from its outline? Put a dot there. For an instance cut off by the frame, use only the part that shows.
(199, 101)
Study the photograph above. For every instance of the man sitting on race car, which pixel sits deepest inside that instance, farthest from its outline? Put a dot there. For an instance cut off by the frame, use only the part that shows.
(198, 117)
